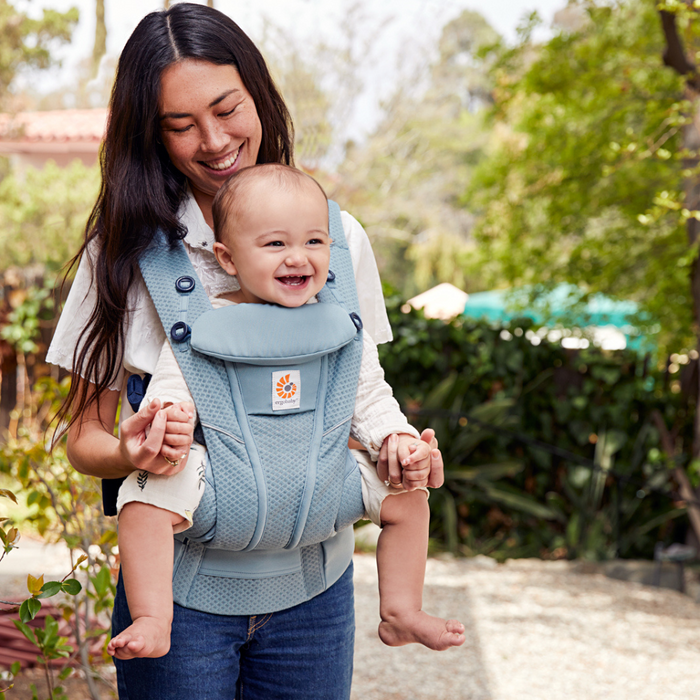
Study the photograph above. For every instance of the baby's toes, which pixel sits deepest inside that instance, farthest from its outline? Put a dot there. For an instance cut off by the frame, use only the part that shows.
(454, 626)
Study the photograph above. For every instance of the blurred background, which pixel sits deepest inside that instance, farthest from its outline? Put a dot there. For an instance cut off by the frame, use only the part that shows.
(527, 172)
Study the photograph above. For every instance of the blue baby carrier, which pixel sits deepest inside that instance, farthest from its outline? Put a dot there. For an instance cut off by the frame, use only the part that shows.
(275, 392)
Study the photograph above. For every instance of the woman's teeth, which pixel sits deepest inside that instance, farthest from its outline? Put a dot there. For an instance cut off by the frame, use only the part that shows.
(224, 164)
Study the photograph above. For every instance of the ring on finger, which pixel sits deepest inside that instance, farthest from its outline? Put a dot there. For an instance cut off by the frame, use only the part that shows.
(172, 463)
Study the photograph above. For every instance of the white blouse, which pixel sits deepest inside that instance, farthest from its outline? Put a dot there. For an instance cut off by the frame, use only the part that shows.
(144, 334)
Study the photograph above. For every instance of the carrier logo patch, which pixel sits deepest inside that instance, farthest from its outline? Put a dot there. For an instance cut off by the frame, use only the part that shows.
(286, 390)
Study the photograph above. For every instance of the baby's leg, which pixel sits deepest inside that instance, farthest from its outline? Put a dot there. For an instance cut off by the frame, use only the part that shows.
(401, 554)
(146, 551)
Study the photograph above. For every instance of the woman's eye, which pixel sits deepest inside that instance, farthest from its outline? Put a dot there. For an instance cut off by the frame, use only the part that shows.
(181, 130)
(228, 114)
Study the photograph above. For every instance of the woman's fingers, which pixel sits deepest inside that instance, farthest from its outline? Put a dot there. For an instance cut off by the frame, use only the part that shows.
(394, 469)
(437, 471)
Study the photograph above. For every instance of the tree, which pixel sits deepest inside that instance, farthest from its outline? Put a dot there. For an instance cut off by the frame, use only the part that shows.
(679, 20)
(100, 46)
(406, 181)
(585, 183)
(27, 43)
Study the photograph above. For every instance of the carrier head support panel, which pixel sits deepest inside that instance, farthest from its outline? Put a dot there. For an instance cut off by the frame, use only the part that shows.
(275, 392)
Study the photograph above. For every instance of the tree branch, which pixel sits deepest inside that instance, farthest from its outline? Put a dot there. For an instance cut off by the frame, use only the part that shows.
(674, 56)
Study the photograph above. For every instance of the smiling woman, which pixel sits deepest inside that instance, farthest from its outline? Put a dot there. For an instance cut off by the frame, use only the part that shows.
(209, 123)
(193, 103)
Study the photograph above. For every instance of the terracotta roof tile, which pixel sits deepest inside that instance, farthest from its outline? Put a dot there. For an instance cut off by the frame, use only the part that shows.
(64, 126)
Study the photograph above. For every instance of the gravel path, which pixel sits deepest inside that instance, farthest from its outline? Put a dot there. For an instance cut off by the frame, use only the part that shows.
(535, 630)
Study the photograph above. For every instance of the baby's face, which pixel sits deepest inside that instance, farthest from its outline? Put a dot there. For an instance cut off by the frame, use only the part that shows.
(280, 248)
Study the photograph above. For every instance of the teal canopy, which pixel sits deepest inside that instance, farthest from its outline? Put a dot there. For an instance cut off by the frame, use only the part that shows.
(563, 305)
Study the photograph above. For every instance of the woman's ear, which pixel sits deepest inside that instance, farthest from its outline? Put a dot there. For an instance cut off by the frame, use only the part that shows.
(223, 257)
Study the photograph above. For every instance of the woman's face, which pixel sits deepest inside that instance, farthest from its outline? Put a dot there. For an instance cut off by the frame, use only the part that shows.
(209, 123)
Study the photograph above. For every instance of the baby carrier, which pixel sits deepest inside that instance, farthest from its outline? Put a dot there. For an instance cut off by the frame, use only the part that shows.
(275, 392)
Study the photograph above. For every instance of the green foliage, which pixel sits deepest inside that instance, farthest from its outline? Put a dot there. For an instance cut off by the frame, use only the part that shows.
(505, 494)
(59, 504)
(22, 328)
(585, 183)
(26, 42)
(43, 214)
(404, 183)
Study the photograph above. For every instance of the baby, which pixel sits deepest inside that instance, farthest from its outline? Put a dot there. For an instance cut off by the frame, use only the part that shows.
(271, 227)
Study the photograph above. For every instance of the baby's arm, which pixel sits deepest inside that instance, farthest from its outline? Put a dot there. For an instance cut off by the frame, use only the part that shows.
(169, 387)
(377, 416)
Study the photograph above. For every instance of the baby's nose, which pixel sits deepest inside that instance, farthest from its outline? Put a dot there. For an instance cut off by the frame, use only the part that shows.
(296, 258)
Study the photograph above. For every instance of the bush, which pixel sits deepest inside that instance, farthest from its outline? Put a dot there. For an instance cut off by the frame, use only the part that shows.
(549, 452)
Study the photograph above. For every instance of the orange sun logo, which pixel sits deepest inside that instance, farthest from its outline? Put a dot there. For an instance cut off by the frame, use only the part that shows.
(285, 388)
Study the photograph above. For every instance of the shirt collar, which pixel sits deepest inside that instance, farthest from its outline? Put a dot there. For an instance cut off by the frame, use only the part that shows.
(199, 233)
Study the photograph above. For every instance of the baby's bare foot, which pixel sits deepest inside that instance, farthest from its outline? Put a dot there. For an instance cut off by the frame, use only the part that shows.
(147, 637)
(419, 627)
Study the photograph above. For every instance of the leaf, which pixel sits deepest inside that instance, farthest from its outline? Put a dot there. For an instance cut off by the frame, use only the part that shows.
(50, 588)
(72, 586)
(12, 535)
(26, 631)
(65, 673)
(15, 668)
(34, 584)
(101, 581)
(485, 471)
(29, 609)
(523, 503)
(8, 494)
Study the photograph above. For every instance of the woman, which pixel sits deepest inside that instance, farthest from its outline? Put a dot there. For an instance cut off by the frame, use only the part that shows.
(192, 103)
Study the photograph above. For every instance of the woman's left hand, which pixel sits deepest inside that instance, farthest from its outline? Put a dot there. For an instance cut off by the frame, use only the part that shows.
(389, 467)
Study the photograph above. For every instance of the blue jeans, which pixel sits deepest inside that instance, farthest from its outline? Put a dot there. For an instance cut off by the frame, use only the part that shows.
(303, 652)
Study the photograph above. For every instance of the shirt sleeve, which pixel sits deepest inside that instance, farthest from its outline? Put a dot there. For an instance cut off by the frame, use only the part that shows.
(369, 286)
(74, 319)
(168, 383)
(377, 413)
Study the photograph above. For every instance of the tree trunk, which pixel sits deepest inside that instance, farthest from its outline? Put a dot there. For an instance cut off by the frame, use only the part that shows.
(100, 47)
(675, 56)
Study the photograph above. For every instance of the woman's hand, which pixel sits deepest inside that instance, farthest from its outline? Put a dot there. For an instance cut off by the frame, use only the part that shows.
(156, 440)
(403, 460)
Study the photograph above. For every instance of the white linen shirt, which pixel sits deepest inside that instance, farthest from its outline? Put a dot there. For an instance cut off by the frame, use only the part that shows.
(144, 335)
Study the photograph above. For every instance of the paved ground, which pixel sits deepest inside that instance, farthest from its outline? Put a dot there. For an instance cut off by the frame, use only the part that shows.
(535, 631)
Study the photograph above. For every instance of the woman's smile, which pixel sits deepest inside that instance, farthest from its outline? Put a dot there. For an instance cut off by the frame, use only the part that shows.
(209, 123)
(228, 162)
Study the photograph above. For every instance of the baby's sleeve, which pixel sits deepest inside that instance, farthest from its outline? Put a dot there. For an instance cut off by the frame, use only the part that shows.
(168, 384)
(377, 413)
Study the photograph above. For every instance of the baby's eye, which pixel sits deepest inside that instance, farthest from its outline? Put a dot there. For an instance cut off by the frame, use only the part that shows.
(316, 241)
(274, 243)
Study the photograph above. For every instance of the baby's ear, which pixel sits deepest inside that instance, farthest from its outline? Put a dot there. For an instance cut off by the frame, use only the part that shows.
(223, 257)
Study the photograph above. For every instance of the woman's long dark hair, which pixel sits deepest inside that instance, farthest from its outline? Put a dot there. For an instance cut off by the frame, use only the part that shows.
(141, 190)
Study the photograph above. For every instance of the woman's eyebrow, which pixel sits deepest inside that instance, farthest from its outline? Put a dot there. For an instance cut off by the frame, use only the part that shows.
(213, 103)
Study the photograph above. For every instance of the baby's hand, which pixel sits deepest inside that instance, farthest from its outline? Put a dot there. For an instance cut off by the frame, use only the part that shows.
(414, 457)
(179, 431)
(404, 461)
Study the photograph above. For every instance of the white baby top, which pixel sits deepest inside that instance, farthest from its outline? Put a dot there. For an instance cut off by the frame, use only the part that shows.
(144, 334)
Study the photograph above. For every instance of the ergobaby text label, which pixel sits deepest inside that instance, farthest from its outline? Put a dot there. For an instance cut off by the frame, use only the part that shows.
(286, 390)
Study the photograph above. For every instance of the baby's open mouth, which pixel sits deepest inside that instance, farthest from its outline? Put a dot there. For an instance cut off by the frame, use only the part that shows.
(293, 280)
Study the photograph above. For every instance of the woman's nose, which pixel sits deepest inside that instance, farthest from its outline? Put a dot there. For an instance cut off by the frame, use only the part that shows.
(214, 138)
